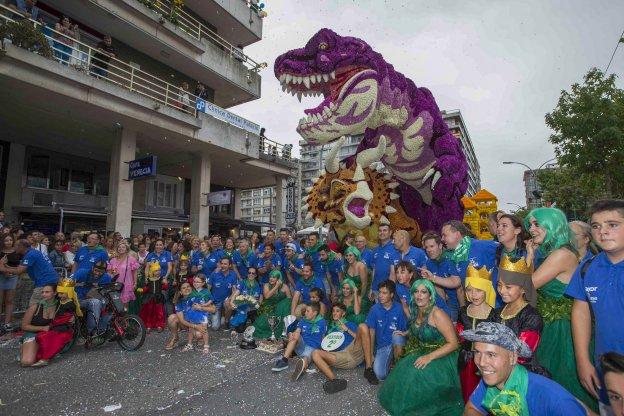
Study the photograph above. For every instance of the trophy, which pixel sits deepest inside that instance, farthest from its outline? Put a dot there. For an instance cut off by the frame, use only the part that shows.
(248, 342)
(273, 321)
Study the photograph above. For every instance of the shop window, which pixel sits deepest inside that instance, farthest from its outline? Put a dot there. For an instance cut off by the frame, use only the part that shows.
(37, 171)
(81, 182)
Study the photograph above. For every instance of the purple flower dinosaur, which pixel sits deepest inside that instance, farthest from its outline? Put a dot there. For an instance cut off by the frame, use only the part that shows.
(363, 94)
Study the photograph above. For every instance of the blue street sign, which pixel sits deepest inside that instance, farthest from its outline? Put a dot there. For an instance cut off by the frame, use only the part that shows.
(142, 168)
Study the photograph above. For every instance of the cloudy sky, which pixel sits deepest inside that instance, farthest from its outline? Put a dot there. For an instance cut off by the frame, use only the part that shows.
(503, 63)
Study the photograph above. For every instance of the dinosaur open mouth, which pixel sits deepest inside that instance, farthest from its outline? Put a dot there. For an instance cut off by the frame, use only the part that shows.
(357, 206)
(319, 84)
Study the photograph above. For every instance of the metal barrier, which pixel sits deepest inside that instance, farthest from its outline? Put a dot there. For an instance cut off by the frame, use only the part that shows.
(275, 149)
(197, 30)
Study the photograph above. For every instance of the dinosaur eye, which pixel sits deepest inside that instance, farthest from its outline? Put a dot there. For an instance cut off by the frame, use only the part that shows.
(323, 46)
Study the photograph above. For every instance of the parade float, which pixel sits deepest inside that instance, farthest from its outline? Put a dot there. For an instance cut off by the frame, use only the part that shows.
(409, 171)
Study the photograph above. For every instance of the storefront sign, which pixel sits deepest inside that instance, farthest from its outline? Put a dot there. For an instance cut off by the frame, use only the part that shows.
(291, 215)
(142, 168)
(224, 115)
(220, 198)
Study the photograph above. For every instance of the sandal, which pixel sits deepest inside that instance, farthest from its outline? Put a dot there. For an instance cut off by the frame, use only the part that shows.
(187, 347)
(206, 350)
(171, 344)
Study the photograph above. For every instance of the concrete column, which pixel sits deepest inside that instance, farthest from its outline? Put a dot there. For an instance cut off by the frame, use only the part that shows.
(236, 209)
(279, 202)
(120, 189)
(15, 181)
(200, 186)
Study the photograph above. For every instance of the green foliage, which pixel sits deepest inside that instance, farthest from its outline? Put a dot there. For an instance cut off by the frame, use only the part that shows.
(24, 35)
(588, 135)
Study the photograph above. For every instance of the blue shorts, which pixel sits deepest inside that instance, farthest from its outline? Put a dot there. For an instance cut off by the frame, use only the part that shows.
(8, 282)
(304, 350)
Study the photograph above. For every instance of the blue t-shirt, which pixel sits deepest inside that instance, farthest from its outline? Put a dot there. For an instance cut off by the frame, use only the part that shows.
(366, 257)
(442, 269)
(184, 305)
(295, 261)
(254, 291)
(315, 259)
(603, 288)
(39, 268)
(333, 269)
(197, 259)
(280, 248)
(348, 339)
(311, 334)
(305, 289)
(86, 257)
(212, 261)
(243, 263)
(383, 259)
(86, 276)
(164, 258)
(482, 253)
(385, 322)
(414, 255)
(544, 398)
(272, 262)
(221, 285)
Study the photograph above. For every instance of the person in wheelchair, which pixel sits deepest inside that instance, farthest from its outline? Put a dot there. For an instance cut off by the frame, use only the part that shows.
(91, 302)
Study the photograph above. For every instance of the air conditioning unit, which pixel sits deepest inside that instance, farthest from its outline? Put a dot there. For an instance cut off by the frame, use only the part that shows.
(42, 199)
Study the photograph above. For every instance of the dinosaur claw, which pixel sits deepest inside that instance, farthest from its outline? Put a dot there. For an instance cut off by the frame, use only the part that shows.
(428, 175)
(435, 179)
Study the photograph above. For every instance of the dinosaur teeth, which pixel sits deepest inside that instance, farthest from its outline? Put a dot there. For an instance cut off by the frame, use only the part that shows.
(299, 96)
(309, 215)
(284, 88)
(325, 77)
(319, 77)
(288, 78)
(312, 79)
(393, 185)
(326, 112)
(306, 82)
(393, 195)
(384, 220)
(333, 75)
(390, 210)
(305, 207)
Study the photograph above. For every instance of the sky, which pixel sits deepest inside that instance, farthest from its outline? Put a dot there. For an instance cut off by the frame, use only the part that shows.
(502, 63)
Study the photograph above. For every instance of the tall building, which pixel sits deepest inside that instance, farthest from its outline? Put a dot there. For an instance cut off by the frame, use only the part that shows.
(532, 190)
(456, 124)
(99, 137)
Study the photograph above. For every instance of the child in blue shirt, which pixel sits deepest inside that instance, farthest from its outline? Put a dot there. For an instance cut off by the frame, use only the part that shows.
(306, 338)
(197, 309)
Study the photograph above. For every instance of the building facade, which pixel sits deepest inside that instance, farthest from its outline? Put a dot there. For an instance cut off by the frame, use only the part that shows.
(532, 190)
(74, 114)
(456, 124)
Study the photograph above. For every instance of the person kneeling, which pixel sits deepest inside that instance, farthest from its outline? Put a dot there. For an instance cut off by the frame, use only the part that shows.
(506, 385)
(346, 356)
(306, 338)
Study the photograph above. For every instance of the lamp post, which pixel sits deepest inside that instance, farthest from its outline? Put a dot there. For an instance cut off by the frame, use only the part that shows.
(514, 204)
(536, 193)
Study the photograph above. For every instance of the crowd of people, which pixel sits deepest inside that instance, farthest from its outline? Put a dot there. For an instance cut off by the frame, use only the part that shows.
(526, 322)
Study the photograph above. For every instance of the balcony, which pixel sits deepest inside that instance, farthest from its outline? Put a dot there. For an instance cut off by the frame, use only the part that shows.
(185, 44)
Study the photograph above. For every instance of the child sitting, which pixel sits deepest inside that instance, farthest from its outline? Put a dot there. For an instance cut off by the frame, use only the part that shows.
(306, 338)
(200, 311)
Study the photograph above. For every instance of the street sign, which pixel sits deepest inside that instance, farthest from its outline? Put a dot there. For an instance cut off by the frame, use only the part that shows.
(220, 198)
(224, 115)
(291, 215)
(142, 168)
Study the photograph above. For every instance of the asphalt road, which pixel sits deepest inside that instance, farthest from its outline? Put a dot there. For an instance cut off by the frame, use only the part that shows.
(152, 381)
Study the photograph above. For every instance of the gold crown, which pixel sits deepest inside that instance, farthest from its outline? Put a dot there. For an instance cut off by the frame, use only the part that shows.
(184, 257)
(482, 273)
(66, 282)
(519, 266)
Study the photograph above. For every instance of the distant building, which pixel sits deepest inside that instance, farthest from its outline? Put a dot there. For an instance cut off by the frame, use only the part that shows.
(532, 189)
(456, 124)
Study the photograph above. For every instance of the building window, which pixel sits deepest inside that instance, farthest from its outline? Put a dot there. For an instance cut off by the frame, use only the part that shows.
(245, 194)
(256, 211)
(37, 171)
(256, 201)
(266, 192)
(81, 182)
(164, 194)
(266, 210)
(256, 192)
(59, 174)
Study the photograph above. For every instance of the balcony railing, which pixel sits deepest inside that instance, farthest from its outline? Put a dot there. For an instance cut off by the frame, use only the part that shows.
(195, 29)
(275, 149)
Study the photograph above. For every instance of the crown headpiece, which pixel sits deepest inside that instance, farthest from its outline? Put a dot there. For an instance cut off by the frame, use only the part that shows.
(519, 266)
(66, 282)
(184, 257)
(481, 273)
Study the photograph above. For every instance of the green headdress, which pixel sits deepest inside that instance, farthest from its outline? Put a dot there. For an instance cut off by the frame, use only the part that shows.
(354, 251)
(432, 293)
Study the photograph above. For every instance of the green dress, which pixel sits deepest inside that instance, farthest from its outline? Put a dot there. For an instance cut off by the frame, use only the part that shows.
(556, 350)
(352, 316)
(365, 304)
(277, 305)
(433, 390)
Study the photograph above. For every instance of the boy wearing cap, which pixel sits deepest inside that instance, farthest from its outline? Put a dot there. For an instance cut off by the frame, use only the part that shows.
(507, 388)
(292, 265)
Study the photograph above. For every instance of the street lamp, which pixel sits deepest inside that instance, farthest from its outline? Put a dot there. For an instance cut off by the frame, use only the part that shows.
(536, 193)
(516, 205)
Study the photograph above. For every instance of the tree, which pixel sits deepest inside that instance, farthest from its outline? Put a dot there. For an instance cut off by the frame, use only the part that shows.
(588, 135)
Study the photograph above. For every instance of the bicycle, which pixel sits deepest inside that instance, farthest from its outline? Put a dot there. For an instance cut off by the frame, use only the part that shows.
(127, 329)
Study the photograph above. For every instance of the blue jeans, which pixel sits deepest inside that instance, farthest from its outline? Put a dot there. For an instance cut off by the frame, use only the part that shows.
(383, 357)
(216, 317)
(93, 311)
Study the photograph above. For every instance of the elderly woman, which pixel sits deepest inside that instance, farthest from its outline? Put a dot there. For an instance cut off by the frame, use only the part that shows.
(584, 241)
(425, 381)
(123, 268)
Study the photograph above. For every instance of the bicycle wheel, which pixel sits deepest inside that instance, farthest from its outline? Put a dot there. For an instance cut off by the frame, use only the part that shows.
(133, 330)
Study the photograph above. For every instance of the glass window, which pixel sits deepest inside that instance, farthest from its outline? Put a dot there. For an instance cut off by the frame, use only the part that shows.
(256, 192)
(59, 177)
(160, 197)
(37, 171)
(266, 210)
(155, 194)
(81, 182)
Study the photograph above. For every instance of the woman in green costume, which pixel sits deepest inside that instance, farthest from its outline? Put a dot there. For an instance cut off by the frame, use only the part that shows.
(350, 297)
(425, 381)
(276, 303)
(356, 271)
(550, 232)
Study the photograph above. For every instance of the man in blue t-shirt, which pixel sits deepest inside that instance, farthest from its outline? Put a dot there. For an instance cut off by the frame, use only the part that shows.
(270, 260)
(222, 283)
(347, 356)
(244, 258)
(496, 352)
(597, 287)
(304, 340)
(332, 270)
(437, 270)
(366, 254)
(312, 253)
(378, 333)
(383, 259)
(292, 264)
(303, 286)
(90, 302)
(406, 252)
(88, 255)
(37, 265)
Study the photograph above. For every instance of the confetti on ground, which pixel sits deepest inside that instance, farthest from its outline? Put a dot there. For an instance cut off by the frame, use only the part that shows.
(220, 366)
(180, 391)
(112, 407)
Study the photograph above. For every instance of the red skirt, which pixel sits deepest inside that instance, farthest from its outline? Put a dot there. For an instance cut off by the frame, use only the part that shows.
(51, 343)
(469, 379)
(153, 314)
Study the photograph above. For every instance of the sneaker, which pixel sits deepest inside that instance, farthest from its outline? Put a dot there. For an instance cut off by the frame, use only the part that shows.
(9, 327)
(280, 365)
(299, 369)
(334, 386)
(369, 375)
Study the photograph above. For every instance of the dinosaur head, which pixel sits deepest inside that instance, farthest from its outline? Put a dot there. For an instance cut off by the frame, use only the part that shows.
(343, 71)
